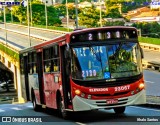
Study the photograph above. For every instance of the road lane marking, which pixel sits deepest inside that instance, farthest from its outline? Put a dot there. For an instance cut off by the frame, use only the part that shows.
(2, 110)
(145, 108)
(79, 123)
(16, 108)
(29, 106)
(149, 81)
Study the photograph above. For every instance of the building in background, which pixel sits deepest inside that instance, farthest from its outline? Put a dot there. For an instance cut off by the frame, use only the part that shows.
(52, 2)
(152, 16)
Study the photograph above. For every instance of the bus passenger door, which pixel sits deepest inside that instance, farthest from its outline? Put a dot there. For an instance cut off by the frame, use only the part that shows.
(40, 77)
(65, 66)
(25, 66)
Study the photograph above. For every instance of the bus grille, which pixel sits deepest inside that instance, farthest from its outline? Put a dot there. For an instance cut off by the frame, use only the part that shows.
(104, 103)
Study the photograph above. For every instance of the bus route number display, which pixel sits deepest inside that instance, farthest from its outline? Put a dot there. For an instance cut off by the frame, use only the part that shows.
(103, 35)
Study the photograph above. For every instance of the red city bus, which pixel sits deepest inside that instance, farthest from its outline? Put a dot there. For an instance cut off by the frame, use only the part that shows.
(88, 69)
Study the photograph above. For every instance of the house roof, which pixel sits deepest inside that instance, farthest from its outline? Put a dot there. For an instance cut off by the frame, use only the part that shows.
(149, 14)
(137, 11)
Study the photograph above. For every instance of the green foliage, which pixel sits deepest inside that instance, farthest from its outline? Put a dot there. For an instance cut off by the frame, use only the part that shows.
(61, 10)
(38, 12)
(114, 13)
(73, 1)
(149, 40)
(89, 17)
(116, 23)
(9, 52)
(8, 16)
(20, 13)
(148, 29)
(38, 15)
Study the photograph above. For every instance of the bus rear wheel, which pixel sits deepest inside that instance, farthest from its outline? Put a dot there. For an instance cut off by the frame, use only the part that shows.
(36, 107)
(61, 109)
(119, 110)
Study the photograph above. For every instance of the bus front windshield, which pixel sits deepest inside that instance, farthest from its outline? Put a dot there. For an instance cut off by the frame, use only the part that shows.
(106, 62)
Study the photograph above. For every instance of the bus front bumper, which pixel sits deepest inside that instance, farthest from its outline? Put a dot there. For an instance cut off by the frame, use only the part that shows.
(83, 104)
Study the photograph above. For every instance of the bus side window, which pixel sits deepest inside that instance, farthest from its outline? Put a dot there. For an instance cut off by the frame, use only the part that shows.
(34, 68)
(47, 66)
(30, 63)
(47, 62)
(56, 65)
(55, 58)
(30, 69)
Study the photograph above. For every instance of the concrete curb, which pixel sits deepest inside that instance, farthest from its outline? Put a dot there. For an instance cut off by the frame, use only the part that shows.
(150, 47)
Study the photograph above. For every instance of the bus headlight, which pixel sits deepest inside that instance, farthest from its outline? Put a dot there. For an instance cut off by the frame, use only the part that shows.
(141, 86)
(77, 92)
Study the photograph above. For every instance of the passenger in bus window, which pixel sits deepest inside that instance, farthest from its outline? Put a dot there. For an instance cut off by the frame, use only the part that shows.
(56, 65)
(30, 70)
(34, 69)
(47, 67)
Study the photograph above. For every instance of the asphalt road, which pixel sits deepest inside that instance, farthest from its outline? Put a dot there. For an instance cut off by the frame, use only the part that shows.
(152, 80)
(18, 40)
(98, 117)
(151, 56)
(42, 33)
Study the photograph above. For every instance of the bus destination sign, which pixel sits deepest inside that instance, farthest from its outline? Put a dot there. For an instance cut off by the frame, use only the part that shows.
(104, 35)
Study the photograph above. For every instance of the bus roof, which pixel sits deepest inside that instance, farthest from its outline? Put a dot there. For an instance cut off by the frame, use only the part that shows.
(66, 36)
(102, 28)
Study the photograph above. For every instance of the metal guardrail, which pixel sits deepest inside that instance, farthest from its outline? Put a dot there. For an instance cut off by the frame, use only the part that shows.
(26, 34)
(151, 65)
(49, 30)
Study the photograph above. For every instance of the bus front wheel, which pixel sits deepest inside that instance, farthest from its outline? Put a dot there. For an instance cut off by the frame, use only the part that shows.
(119, 110)
(61, 109)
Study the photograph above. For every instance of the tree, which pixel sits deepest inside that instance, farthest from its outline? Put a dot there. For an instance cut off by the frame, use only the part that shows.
(38, 14)
(90, 17)
(73, 1)
(20, 13)
(151, 29)
(116, 23)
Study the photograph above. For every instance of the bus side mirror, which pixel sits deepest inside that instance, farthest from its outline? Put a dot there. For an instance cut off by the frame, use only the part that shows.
(142, 53)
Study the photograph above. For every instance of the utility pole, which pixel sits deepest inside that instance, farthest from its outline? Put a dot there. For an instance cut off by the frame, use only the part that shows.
(29, 40)
(4, 16)
(67, 14)
(31, 12)
(100, 13)
(11, 15)
(46, 13)
(76, 10)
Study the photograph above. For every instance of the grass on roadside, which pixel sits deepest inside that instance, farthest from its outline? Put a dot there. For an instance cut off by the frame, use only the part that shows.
(149, 40)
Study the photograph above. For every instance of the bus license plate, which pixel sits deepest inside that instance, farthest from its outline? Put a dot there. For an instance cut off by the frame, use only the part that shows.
(112, 101)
